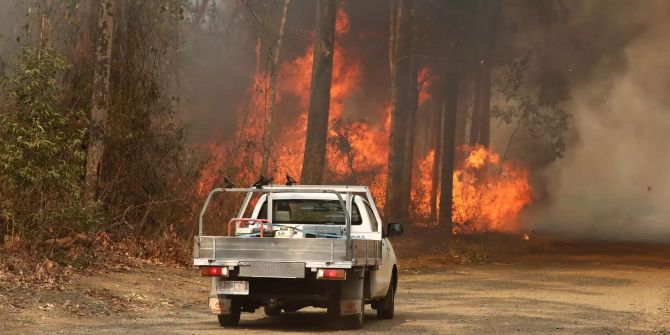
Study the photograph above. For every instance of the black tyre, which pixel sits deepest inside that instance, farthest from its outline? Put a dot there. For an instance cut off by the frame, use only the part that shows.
(271, 312)
(386, 306)
(233, 319)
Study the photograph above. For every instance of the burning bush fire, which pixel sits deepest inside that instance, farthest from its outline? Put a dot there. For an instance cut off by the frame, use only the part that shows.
(356, 150)
(488, 194)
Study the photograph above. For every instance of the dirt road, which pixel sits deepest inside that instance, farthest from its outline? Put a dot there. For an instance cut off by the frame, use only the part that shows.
(574, 295)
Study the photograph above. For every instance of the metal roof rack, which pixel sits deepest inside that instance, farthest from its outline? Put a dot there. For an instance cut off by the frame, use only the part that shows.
(337, 190)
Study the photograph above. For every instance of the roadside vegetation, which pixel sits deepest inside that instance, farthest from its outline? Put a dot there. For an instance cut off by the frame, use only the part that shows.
(141, 203)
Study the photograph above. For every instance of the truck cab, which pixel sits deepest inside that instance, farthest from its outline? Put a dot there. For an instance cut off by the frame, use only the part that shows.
(320, 246)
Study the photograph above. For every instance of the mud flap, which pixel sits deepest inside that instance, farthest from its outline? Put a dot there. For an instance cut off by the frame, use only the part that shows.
(350, 307)
(351, 294)
(220, 306)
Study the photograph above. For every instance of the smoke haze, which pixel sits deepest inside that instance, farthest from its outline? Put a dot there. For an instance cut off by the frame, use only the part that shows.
(614, 182)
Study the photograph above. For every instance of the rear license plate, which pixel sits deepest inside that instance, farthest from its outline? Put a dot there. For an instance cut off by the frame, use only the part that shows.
(233, 287)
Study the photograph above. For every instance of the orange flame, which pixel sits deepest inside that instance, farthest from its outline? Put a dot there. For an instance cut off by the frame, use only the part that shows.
(488, 194)
(356, 149)
(425, 80)
(423, 185)
(296, 81)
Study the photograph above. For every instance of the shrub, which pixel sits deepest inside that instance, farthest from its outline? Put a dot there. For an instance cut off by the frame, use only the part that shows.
(41, 153)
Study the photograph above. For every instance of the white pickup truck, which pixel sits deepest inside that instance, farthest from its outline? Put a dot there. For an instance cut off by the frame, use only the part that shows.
(320, 246)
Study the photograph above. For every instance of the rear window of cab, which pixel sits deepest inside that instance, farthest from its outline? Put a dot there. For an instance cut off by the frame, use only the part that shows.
(309, 211)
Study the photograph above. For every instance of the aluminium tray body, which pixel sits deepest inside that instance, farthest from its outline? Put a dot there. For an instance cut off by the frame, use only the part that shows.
(313, 252)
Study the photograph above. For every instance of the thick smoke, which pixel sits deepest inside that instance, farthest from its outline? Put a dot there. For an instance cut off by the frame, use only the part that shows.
(219, 61)
(614, 182)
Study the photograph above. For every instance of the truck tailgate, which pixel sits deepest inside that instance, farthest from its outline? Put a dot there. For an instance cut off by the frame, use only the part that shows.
(232, 250)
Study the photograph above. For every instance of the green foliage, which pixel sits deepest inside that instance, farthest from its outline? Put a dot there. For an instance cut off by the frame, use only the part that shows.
(538, 109)
(147, 175)
(41, 155)
(533, 85)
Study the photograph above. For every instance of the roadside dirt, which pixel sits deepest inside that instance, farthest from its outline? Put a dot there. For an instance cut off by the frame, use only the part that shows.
(576, 291)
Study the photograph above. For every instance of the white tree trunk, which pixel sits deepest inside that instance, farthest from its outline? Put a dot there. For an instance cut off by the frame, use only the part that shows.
(267, 136)
(100, 100)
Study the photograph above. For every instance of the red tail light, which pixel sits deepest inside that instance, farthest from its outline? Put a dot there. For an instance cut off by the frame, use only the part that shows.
(332, 274)
(214, 271)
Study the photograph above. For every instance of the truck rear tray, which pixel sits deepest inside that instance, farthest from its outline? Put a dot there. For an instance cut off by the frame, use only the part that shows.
(314, 252)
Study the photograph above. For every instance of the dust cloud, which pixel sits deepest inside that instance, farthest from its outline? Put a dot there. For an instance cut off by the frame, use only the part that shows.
(614, 182)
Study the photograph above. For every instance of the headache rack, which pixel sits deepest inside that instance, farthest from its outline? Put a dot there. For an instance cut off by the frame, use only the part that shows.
(280, 257)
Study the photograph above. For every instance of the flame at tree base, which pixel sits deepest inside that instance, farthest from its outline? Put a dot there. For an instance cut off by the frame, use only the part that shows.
(488, 194)
(357, 143)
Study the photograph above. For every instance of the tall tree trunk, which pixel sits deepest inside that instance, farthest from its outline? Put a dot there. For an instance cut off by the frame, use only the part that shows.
(449, 147)
(100, 100)
(438, 112)
(410, 131)
(488, 18)
(274, 69)
(476, 120)
(83, 54)
(393, 35)
(45, 9)
(319, 98)
(464, 93)
(400, 109)
(485, 105)
(492, 13)
(451, 83)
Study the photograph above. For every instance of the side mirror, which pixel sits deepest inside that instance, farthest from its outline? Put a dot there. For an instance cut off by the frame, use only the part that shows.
(394, 229)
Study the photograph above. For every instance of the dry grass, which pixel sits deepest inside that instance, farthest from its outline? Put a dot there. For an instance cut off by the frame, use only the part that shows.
(427, 249)
(49, 264)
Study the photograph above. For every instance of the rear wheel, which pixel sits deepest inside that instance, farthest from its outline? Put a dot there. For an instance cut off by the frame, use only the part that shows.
(232, 319)
(386, 306)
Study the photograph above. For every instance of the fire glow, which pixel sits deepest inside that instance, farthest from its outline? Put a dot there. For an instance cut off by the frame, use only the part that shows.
(488, 194)
(356, 151)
